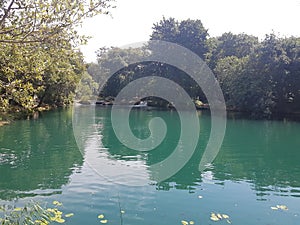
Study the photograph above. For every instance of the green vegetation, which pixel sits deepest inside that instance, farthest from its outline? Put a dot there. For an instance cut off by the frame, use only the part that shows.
(266, 79)
(40, 66)
(39, 63)
(36, 214)
(32, 213)
(258, 77)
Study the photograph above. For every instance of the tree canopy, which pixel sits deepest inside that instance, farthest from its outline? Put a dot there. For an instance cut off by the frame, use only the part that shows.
(27, 21)
(39, 61)
(188, 33)
(261, 77)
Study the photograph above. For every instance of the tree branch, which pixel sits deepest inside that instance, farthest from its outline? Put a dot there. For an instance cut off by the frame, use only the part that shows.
(6, 13)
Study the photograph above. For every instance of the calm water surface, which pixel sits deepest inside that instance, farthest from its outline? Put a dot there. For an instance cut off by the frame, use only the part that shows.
(257, 167)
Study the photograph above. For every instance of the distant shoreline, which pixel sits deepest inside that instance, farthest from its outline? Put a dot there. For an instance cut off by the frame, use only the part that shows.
(294, 116)
(231, 113)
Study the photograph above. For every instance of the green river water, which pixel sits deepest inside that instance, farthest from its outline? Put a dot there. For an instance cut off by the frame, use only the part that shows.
(258, 167)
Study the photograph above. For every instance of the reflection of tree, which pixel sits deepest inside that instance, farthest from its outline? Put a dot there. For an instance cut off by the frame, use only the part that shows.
(109, 139)
(253, 151)
(37, 154)
(265, 153)
(139, 120)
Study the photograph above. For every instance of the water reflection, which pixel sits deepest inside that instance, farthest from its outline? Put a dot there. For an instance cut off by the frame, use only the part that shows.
(112, 161)
(263, 153)
(37, 156)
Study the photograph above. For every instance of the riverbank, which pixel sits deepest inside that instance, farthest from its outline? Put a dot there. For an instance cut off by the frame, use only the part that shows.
(8, 118)
(19, 114)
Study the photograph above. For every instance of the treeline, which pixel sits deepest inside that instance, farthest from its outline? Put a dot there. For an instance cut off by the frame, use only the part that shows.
(261, 77)
(40, 65)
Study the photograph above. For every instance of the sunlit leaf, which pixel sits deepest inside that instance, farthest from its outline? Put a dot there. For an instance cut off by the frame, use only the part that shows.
(69, 215)
(57, 203)
(225, 216)
(57, 212)
(60, 220)
(17, 209)
(53, 218)
(183, 222)
(103, 221)
(283, 207)
(214, 217)
(51, 210)
(101, 216)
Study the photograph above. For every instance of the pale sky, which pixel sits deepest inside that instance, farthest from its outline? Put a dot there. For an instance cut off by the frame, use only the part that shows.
(132, 20)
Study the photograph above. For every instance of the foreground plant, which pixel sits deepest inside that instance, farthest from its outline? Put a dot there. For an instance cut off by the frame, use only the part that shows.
(31, 213)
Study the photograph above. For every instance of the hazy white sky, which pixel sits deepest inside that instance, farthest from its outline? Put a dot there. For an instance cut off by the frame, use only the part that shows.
(132, 20)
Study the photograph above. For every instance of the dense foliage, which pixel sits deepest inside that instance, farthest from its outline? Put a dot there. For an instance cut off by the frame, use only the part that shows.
(260, 77)
(266, 79)
(40, 66)
(39, 63)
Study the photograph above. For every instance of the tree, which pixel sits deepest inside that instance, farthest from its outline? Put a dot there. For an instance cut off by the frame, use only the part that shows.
(87, 88)
(165, 30)
(121, 58)
(188, 33)
(39, 63)
(193, 36)
(279, 59)
(32, 75)
(266, 81)
(43, 21)
(292, 74)
(258, 77)
(108, 60)
(228, 44)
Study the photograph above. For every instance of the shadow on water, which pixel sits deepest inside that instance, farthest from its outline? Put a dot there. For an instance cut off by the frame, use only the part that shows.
(37, 156)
